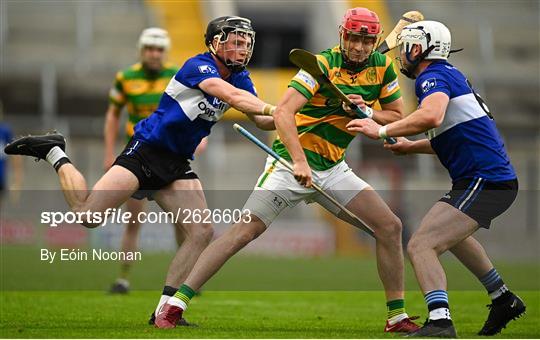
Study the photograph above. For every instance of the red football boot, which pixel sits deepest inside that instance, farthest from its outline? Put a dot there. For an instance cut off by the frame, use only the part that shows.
(404, 326)
(168, 316)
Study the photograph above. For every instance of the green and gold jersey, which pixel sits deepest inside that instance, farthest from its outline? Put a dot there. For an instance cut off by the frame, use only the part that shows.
(321, 122)
(139, 91)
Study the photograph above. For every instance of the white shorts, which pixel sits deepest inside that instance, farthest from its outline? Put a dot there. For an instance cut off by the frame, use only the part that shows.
(277, 189)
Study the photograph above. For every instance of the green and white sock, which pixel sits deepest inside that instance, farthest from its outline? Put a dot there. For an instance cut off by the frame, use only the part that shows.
(396, 311)
(182, 297)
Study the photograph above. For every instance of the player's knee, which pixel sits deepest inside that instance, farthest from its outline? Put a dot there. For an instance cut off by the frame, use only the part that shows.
(390, 229)
(416, 246)
(247, 232)
(200, 233)
(206, 233)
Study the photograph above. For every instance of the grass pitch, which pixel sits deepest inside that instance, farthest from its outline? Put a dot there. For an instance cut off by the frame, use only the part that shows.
(236, 315)
(251, 297)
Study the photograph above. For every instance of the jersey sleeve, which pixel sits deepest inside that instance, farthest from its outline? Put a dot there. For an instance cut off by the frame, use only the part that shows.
(390, 89)
(245, 83)
(305, 83)
(429, 83)
(195, 71)
(117, 95)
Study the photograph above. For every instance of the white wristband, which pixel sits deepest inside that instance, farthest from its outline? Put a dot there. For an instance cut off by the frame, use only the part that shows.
(382, 132)
(369, 112)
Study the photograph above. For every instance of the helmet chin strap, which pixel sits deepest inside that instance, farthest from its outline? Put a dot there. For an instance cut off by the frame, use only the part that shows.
(353, 65)
(409, 69)
(234, 68)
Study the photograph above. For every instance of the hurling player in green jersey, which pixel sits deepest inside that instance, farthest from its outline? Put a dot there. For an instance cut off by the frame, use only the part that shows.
(311, 124)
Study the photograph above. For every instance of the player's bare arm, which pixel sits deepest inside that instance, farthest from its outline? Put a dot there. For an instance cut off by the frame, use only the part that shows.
(404, 146)
(110, 131)
(262, 122)
(390, 112)
(429, 115)
(239, 99)
(291, 103)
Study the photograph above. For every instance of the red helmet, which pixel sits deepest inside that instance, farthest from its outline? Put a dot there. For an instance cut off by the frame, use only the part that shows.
(364, 24)
(361, 21)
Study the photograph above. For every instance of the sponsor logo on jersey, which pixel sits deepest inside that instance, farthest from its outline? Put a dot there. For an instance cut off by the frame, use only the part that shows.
(392, 85)
(428, 84)
(216, 102)
(212, 112)
(207, 69)
(207, 110)
(307, 79)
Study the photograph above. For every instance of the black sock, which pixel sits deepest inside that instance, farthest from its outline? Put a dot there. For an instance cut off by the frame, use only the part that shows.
(60, 162)
(169, 291)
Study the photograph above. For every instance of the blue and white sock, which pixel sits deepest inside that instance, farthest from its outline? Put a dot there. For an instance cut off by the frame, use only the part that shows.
(437, 302)
(494, 284)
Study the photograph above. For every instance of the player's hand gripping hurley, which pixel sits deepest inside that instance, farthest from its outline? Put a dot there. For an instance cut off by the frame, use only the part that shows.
(344, 213)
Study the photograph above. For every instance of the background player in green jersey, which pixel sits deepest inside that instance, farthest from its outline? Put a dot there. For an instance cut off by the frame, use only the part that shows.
(312, 133)
(138, 88)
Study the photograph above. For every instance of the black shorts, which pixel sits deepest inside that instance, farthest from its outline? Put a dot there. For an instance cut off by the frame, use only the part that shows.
(480, 199)
(154, 167)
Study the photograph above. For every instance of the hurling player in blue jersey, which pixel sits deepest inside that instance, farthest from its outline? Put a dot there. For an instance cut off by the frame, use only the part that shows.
(155, 163)
(461, 132)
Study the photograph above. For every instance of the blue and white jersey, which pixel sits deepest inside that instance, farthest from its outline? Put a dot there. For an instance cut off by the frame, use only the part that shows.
(5, 137)
(185, 113)
(467, 142)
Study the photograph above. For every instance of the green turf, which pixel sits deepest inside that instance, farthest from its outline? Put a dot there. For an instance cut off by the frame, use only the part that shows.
(251, 297)
(240, 273)
(235, 315)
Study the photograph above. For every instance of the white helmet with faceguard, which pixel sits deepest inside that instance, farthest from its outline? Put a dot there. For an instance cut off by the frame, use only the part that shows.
(224, 28)
(432, 36)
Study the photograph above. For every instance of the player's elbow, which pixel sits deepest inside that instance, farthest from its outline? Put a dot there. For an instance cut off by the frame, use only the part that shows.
(279, 113)
(432, 121)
